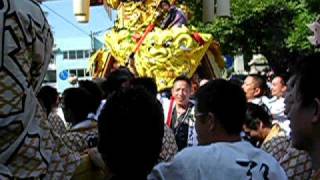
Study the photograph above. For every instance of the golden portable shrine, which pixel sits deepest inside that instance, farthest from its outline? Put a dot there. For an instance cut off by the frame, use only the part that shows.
(138, 42)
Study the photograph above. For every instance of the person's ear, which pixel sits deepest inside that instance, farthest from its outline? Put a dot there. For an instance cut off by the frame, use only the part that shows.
(284, 89)
(316, 115)
(257, 91)
(212, 121)
(260, 125)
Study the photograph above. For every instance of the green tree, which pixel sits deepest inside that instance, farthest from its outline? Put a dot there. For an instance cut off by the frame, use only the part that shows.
(275, 28)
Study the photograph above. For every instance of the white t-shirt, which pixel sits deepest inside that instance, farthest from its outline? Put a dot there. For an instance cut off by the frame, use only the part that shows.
(260, 100)
(277, 107)
(239, 160)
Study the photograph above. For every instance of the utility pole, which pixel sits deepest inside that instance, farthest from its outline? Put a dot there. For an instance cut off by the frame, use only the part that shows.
(215, 8)
(94, 40)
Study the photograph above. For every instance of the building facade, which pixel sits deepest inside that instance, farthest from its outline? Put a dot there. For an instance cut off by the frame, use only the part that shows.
(70, 62)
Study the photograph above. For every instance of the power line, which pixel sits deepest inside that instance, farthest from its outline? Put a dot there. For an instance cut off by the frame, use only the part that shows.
(66, 20)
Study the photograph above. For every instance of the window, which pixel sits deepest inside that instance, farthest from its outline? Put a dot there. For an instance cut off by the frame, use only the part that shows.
(88, 73)
(80, 54)
(65, 55)
(80, 72)
(52, 61)
(73, 72)
(50, 77)
(72, 54)
(86, 53)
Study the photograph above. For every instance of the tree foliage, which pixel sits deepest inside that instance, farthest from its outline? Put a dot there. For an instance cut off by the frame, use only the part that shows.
(275, 28)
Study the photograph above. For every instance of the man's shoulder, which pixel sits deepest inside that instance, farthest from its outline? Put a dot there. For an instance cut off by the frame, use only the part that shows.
(274, 102)
(194, 152)
(221, 149)
(192, 156)
(184, 164)
(173, 8)
(244, 151)
(218, 159)
(224, 150)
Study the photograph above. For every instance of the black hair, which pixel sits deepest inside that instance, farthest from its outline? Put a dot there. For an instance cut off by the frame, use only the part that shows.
(164, 1)
(284, 78)
(226, 101)
(165, 93)
(237, 80)
(256, 114)
(261, 83)
(95, 92)
(115, 80)
(48, 98)
(77, 101)
(183, 78)
(307, 78)
(146, 82)
(130, 132)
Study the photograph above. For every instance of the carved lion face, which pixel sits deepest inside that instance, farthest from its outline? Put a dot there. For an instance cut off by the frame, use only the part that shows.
(167, 54)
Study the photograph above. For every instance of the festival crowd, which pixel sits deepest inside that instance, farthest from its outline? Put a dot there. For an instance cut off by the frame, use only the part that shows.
(121, 127)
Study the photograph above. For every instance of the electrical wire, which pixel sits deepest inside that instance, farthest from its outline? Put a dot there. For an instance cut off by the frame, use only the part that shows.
(66, 20)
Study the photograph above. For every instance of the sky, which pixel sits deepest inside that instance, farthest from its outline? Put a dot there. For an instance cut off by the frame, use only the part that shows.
(60, 17)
